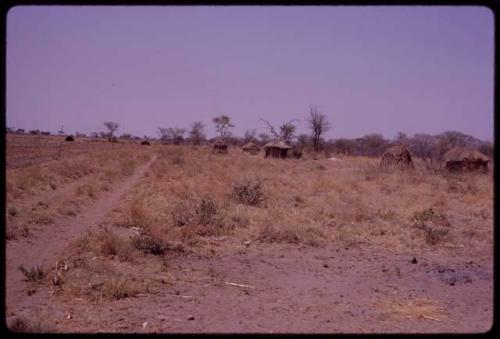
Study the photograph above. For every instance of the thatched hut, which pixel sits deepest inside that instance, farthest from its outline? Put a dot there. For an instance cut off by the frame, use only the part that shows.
(220, 147)
(277, 149)
(461, 159)
(396, 156)
(251, 148)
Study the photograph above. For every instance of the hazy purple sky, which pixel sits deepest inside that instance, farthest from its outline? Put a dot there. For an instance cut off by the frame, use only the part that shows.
(370, 69)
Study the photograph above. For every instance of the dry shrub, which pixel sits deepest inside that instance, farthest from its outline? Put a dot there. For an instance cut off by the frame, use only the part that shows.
(41, 217)
(149, 244)
(434, 224)
(138, 214)
(119, 288)
(248, 192)
(14, 231)
(435, 235)
(430, 215)
(24, 325)
(105, 242)
(181, 214)
(207, 211)
(155, 245)
(33, 274)
(291, 234)
(112, 245)
(89, 189)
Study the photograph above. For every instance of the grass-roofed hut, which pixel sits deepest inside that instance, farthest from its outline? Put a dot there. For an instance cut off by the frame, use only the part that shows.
(220, 147)
(251, 148)
(461, 159)
(396, 156)
(277, 149)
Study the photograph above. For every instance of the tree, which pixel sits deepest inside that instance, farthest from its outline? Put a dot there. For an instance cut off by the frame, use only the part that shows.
(174, 135)
(318, 125)
(163, 134)
(401, 138)
(264, 138)
(374, 144)
(222, 124)
(197, 132)
(250, 135)
(112, 127)
(286, 132)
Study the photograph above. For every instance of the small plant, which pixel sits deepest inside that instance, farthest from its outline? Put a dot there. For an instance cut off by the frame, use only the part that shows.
(149, 244)
(181, 216)
(206, 211)
(248, 192)
(119, 288)
(34, 274)
(435, 235)
(23, 325)
(430, 214)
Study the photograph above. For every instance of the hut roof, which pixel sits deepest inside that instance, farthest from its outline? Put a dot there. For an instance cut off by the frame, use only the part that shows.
(396, 149)
(277, 144)
(250, 146)
(462, 153)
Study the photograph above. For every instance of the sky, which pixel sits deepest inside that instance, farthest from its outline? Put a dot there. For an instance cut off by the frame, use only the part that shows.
(372, 69)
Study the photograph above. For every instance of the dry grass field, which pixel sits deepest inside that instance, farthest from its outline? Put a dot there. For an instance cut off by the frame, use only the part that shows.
(164, 238)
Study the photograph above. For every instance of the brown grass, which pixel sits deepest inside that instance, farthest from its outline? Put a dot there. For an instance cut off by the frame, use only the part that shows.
(349, 202)
(413, 308)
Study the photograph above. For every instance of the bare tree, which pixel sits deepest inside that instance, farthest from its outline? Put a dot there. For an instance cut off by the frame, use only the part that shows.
(222, 124)
(318, 125)
(163, 135)
(197, 132)
(286, 130)
(174, 135)
(264, 138)
(112, 127)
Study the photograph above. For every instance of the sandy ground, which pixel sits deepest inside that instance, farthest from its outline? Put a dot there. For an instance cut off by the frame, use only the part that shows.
(266, 288)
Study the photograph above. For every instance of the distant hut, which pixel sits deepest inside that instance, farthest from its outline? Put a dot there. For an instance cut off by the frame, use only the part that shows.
(220, 147)
(461, 159)
(251, 148)
(277, 149)
(70, 138)
(396, 156)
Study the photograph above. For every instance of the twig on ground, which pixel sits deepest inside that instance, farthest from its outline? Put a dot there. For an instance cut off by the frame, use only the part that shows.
(240, 285)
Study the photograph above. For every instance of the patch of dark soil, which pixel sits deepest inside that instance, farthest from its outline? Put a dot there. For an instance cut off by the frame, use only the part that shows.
(459, 274)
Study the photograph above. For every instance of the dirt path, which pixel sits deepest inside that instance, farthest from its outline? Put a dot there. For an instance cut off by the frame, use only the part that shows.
(44, 246)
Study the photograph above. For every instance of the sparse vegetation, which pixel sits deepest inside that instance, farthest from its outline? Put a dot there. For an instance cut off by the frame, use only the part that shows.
(248, 191)
(33, 274)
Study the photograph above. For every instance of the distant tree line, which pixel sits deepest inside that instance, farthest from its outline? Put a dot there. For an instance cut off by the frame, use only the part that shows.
(429, 148)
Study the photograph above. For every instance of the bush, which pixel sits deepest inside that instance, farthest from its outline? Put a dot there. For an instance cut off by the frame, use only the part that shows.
(248, 192)
(149, 244)
(430, 214)
(206, 211)
(23, 325)
(181, 215)
(34, 274)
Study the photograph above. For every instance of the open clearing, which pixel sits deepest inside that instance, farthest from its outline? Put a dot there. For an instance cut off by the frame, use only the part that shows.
(163, 238)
